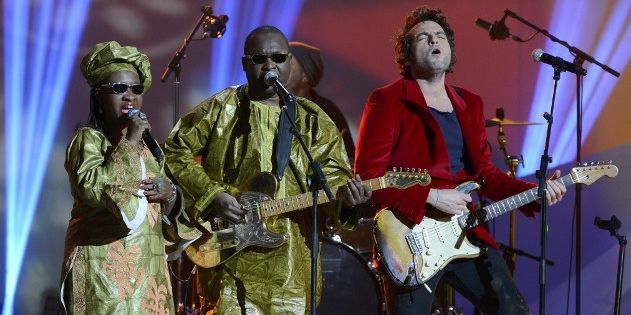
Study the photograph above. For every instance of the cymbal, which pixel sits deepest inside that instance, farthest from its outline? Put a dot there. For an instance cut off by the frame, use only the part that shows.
(508, 122)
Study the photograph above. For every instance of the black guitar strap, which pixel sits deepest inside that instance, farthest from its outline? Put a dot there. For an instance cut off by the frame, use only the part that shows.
(283, 141)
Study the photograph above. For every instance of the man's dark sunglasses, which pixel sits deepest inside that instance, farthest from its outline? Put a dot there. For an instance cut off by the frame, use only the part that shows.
(120, 88)
(259, 59)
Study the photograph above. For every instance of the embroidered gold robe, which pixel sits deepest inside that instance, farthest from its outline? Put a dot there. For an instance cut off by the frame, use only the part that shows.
(235, 138)
(114, 261)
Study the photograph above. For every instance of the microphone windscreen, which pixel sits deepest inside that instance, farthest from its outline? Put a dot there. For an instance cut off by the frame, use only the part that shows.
(536, 54)
(132, 112)
(270, 77)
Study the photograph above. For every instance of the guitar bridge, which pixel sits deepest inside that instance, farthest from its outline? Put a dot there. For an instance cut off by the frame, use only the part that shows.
(416, 247)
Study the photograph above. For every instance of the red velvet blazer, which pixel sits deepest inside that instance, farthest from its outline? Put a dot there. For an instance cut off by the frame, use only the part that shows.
(398, 130)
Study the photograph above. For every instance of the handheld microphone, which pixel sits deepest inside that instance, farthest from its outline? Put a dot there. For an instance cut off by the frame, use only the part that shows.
(146, 136)
(271, 79)
(498, 29)
(557, 62)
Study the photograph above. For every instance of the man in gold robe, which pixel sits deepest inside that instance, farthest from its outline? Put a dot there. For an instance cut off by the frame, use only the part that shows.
(236, 132)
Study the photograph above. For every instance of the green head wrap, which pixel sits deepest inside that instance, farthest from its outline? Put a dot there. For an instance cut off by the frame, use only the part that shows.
(109, 57)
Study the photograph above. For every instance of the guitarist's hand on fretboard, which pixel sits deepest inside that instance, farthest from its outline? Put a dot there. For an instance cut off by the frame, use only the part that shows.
(555, 190)
(449, 201)
(354, 192)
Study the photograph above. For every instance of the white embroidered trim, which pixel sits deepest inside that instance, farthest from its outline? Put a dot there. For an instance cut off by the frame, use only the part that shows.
(143, 205)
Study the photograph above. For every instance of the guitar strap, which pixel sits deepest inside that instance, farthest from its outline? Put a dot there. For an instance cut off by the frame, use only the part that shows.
(283, 141)
(284, 138)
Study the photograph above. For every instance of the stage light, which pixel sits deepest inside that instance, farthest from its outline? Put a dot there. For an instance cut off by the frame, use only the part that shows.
(579, 23)
(225, 63)
(44, 56)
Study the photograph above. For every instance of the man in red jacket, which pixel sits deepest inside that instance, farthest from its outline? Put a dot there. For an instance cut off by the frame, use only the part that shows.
(420, 122)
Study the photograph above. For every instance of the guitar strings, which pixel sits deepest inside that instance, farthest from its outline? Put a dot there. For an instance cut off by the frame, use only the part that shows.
(446, 226)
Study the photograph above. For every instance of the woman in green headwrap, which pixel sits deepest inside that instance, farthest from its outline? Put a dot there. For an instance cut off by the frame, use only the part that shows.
(115, 261)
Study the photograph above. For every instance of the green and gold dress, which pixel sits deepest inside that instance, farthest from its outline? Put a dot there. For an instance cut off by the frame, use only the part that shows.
(115, 260)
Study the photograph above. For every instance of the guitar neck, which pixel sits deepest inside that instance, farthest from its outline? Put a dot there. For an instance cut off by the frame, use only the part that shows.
(275, 207)
(496, 209)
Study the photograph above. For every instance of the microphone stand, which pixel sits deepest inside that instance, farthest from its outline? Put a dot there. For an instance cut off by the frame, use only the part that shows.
(541, 193)
(612, 226)
(318, 182)
(516, 251)
(579, 57)
(175, 67)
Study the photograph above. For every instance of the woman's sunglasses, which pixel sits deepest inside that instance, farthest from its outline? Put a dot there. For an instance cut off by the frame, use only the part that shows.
(120, 88)
(260, 59)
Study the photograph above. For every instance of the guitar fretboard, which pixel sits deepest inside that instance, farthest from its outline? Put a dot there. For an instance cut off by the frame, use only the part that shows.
(496, 209)
(275, 207)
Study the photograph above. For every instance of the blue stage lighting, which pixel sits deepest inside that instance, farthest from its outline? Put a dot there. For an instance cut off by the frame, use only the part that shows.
(579, 23)
(46, 57)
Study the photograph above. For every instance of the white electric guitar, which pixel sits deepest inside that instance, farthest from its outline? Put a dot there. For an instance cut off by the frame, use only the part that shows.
(413, 254)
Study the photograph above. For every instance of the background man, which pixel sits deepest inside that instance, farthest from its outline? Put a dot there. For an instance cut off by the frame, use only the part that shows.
(306, 71)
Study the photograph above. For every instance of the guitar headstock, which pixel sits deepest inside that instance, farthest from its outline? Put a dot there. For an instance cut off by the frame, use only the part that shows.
(590, 172)
(402, 179)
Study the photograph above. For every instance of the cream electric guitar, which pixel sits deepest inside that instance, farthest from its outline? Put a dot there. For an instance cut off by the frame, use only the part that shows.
(413, 254)
(227, 239)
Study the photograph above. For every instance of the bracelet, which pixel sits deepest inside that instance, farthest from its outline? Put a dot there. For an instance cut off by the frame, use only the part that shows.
(173, 194)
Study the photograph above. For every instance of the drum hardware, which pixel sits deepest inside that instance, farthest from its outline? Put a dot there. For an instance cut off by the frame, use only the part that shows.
(512, 162)
(350, 283)
(495, 121)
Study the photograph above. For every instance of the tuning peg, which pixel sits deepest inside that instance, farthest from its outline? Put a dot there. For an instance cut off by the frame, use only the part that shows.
(610, 162)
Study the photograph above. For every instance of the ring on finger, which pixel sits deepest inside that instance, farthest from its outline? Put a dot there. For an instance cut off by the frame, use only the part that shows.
(157, 186)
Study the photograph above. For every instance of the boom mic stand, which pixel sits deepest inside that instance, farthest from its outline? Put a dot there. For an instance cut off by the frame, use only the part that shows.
(580, 57)
(213, 27)
(541, 193)
(318, 182)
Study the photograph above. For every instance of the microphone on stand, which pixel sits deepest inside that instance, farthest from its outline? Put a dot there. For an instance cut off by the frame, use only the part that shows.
(498, 29)
(146, 136)
(271, 79)
(557, 62)
(608, 225)
(214, 26)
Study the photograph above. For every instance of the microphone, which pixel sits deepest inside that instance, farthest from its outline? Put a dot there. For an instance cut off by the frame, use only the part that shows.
(498, 29)
(146, 136)
(557, 62)
(609, 225)
(214, 26)
(271, 79)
